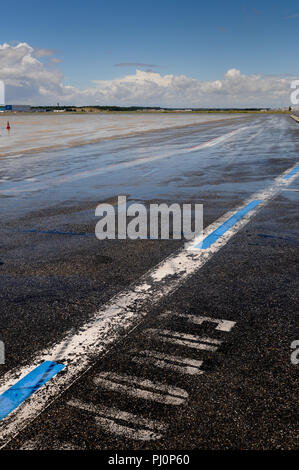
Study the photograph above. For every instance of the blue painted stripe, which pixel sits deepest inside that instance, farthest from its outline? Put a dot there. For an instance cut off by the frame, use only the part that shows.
(57, 232)
(20, 391)
(292, 173)
(49, 232)
(213, 237)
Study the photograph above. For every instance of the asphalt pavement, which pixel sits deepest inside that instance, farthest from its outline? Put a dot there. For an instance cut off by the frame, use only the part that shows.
(203, 364)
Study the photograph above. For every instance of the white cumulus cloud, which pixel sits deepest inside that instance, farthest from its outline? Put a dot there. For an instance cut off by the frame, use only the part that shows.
(29, 80)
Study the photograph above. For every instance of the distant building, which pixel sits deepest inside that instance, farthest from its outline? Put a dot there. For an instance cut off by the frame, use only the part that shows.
(21, 108)
(5, 108)
(15, 108)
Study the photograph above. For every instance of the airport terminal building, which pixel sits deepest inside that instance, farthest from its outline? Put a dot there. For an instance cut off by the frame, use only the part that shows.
(14, 108)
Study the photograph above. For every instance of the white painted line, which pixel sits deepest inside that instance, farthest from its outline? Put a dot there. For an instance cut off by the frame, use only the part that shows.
(176, 334)
(150, 172)
(222, 325)
(124, 312)
(216, 140)
(189, 341)
(107, 417)
(125, 431)
(254, 136)
(124, 165)
(189, 344)
(263, 197)
(114, 413)
(180, 364)
(141, 388)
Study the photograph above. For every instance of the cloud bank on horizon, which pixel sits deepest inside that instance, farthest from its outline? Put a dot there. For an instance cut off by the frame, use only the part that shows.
(30, 80)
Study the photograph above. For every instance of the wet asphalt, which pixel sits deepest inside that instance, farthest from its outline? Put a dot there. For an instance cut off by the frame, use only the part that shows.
(246, 395)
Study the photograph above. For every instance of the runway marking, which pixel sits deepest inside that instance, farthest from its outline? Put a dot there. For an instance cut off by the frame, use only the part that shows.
(128, 164)
(291, 173)
(150, 172)
(114, 413)
(48, 232)
(127, 425)
(216, 140)
(123, 313)
(141, 388)
(183, 365)
(127, 432)
(189, 341)
(220, 232)
(213, 237)
(107, 419)
(24, 388)
(222, 325)
(58, 232)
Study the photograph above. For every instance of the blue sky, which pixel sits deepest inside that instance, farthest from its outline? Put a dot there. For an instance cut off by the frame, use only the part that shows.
(94, 40)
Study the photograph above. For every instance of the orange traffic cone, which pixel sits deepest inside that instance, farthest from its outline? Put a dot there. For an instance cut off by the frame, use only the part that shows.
(8, 126)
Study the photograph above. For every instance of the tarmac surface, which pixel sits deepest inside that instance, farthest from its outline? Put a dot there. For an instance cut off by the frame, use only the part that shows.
(175, 378)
